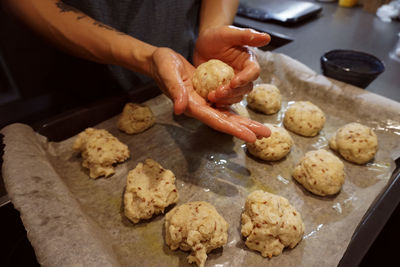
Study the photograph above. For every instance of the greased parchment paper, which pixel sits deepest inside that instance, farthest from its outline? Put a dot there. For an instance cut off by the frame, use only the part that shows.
(72, 219)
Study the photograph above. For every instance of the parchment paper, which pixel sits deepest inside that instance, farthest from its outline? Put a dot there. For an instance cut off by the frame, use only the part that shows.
(72, 219)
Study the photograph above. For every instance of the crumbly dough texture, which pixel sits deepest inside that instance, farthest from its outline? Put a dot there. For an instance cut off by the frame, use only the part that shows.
(320, 172)
(135, 118)
(355, 142)
(210, 75)
(270, 224)
(274, 147)
(100, 150)
(149, 190)
(195, 226)
(304, 118)
(265, 98)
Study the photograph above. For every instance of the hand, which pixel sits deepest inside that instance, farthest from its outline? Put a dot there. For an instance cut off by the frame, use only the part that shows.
(228, 44)
(223, 120)
(173, 74)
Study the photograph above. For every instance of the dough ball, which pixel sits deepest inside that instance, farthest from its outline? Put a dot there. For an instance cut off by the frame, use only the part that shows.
(304, 118)
(149, 190)
(100, 150)
(265, 98)
(195, 226)
(135, 118)
(210, 75)
(355, 142)
(270, 223)
(274, 147)
(320, 172)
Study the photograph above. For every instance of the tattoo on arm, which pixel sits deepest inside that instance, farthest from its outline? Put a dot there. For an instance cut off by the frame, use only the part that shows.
(104, 26)
(67, 8)
(63, 7)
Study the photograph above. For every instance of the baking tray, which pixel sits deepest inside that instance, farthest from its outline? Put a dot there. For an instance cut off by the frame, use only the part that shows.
(59, 128)
(368, 229)
(364, 235)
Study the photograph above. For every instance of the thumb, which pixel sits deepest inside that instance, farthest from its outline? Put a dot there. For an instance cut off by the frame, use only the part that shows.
(249, 37)
(180, 98)
(170, 73)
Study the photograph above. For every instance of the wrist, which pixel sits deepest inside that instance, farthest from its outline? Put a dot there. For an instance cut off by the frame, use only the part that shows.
(217, 13)
(204, 28)
(134, 55)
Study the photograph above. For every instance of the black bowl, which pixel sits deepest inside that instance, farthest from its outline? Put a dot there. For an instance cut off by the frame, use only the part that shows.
(353, 67)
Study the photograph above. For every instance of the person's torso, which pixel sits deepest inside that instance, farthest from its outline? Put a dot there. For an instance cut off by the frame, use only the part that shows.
(165, 23)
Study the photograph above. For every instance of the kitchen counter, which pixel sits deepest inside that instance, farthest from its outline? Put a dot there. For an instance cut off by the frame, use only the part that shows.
(341, 28)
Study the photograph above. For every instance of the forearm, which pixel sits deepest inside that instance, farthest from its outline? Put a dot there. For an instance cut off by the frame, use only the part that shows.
(83, 36)
(215, 13)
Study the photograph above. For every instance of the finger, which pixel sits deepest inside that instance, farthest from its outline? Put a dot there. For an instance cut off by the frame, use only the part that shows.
(250, 72)
(176, 91)
(180, 100)
(222, 106)
(220, 122)
(241, 36)
(226, 91)
(228, 101)
(258, 128)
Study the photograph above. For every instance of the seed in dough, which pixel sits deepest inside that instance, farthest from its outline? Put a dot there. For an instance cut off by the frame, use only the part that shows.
(355, 142)
(320, 172)
(135, 118)
(210, 75)
(274, 147)
(270, 224)
(304, 118)
(265, 98)
(195, 226)
(100, 151)
(149, 190)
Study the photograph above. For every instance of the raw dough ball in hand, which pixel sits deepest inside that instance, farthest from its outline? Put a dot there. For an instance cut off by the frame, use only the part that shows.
(195, 226)
(270, 223)
(320, 172)
(149, 190)
(304, 118)
(100, 150)
(355, 142)
(265, 98)
(274, 147)
(210, 75)
(135, 118)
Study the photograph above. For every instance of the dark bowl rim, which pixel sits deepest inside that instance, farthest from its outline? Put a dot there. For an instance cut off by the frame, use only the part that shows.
(325, 60)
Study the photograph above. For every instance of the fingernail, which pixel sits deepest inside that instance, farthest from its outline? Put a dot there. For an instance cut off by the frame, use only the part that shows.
(211, 96)
(224, 92)
(237, 82)
(221, 92)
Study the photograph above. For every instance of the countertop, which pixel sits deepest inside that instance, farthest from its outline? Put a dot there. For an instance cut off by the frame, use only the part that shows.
(341, 28)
